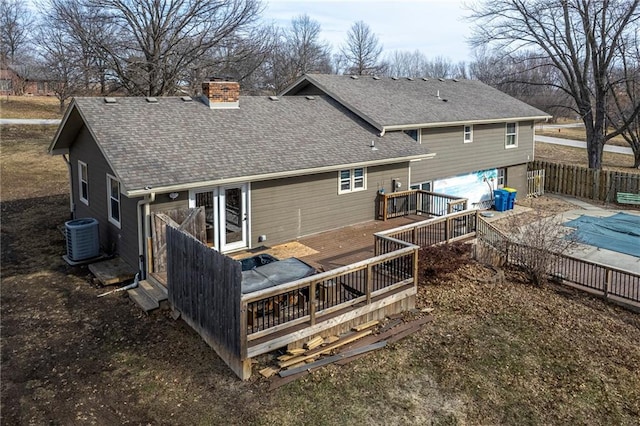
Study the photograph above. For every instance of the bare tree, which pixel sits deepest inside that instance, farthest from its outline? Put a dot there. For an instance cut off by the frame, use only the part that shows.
(15, 20)
(153, 42)
(362, 50)
(298, 50)
(62, 60)
(579, 38)
(626, 95)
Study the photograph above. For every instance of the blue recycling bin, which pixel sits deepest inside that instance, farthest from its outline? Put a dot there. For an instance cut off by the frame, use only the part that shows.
(511, 194)
(500, 200)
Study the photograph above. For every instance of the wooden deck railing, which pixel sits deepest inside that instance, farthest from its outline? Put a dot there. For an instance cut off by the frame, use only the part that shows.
(311, 299)
(612, 283)
(452, 227)
(417, 201)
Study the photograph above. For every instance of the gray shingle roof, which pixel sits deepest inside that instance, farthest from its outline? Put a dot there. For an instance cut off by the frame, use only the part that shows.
(384, 101)
(173, 142)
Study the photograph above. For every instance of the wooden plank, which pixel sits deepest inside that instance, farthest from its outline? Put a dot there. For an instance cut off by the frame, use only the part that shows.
(314, 343)
(366, 325)
(332, 359)
(113, 271)
(268, 372)
(388, 326)
(326, 349)
(330, 323)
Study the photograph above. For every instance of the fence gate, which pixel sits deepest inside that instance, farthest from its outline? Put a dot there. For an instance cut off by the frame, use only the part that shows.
(191, 221)
(535, 183)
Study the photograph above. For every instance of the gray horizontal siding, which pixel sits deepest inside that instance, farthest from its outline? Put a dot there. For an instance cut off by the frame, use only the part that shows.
(285, 209)
(123, 240)
(487, 151)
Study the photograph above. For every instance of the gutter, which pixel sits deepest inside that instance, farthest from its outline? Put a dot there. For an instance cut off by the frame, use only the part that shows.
(148, 199)
(277, 175)
(71, 206)
(460, 123)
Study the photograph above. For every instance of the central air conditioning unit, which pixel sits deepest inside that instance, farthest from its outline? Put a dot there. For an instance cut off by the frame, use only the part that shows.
(83, 239)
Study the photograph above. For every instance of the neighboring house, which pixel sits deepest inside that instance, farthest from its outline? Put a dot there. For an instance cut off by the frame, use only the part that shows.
(482, 138)
(272, 169)
(25, 80)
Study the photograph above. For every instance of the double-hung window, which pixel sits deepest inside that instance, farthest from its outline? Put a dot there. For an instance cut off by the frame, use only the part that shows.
(113, 200)
(352, 180)
(511, 136)
(83, 182)
(468, 133)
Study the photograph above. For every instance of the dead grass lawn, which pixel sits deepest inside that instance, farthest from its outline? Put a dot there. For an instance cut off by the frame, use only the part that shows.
(578, 156)
(575, 133)
(29, 107)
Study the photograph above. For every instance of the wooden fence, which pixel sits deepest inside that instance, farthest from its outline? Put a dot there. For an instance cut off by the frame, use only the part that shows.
(205, 287)
(535, 183)
(612, 283)
(417, 201)
(582, 182)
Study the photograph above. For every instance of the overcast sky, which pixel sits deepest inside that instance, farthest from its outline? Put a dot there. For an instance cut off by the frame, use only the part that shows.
(435, 27)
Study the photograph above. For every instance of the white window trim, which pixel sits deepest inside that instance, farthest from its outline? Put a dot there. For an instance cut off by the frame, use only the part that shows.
(111, 219)
(352, 187)
(464, 133)
(501, 177)
(81, 165)
(506, 135)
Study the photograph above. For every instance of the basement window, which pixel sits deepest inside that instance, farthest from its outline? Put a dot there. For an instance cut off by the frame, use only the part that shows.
(352, 180)
(113, 200)
(83, 182)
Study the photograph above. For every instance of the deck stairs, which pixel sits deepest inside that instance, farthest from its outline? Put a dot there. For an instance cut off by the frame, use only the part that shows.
(149, 294)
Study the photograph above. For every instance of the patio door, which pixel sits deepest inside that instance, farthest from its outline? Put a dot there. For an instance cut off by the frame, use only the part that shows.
(226, 215)
(233, 217)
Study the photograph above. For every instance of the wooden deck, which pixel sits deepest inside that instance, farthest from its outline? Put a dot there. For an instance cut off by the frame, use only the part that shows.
(333, 249)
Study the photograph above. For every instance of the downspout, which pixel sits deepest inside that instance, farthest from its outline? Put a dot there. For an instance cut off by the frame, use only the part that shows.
(143, 230)
(69, 171)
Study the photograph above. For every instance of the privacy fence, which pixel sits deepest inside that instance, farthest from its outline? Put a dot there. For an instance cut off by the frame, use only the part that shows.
(583, 182)
(613, 284)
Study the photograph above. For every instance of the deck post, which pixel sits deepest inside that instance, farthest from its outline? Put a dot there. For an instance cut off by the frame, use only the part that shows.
(312, 303)
(415, 267)
(244, 323)
(384, 207)
(369, 279)
(607, 283)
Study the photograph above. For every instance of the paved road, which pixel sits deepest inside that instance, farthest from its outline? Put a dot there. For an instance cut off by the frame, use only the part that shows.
(28, 121)
(580, 144)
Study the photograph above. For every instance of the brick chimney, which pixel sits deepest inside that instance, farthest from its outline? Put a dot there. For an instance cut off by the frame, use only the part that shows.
(219, 93)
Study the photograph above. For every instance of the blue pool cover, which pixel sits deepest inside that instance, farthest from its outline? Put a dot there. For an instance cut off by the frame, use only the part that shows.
(620, 232)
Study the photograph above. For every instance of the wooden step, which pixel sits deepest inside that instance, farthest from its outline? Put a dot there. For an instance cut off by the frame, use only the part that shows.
(154, 290)
(142, 298)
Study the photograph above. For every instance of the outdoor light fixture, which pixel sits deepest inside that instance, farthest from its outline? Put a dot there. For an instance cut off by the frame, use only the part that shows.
(173, 195)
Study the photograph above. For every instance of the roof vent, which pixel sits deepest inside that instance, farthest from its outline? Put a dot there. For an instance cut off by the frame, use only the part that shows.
(394, 78)
(425, 78)
(375, 77)
(110, 100)
(354, 77)
(445, 100)
(410, 78)
(152, 100)
(274, 98)
(186, 98)
(310, 97)
(455, 80)
(440, 79)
